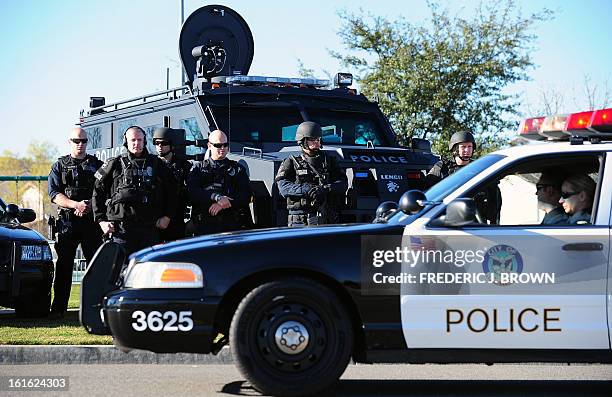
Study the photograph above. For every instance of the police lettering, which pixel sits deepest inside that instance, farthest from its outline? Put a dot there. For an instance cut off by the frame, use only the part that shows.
(379, 159)
(525, 320)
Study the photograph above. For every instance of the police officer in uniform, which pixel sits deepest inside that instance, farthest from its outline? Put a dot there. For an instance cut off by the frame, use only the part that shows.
(219, 191)
(164, 138)
(462, 146)
(134, 195)
(311, 181)
(71, 183)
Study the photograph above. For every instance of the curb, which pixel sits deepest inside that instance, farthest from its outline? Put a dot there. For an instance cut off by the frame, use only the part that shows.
(92, 354)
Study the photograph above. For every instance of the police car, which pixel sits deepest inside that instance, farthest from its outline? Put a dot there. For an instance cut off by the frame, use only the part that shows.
(432, 283)
(26, 265)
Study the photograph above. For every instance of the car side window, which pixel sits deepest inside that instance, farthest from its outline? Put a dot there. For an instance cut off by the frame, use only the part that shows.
(543, 191)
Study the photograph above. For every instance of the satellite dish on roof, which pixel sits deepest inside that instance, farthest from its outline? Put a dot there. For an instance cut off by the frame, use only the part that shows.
(215, 41)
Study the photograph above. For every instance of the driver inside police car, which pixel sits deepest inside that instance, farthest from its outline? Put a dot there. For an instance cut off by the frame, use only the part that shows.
(548, 191)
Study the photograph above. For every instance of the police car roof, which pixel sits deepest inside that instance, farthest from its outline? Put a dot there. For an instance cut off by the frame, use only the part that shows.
(552, 147)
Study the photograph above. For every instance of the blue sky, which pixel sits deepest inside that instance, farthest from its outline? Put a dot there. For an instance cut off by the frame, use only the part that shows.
(56, 54)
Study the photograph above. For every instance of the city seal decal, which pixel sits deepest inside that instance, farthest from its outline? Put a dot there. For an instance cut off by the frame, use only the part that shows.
(501, 259)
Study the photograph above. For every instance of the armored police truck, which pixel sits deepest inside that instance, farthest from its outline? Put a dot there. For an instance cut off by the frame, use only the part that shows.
(260, 116)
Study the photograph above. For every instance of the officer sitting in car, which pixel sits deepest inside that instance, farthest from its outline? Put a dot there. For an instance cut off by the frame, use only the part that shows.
(219, 191)
(548, 190)
(71, 183)
(577, 193)
(134, 196)
(163, 138)
(310, 180)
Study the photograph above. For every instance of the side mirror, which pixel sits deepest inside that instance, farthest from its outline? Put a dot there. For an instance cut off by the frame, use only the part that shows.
(420, 144)
(12, 211)
(26, 215)
(385, 209)
(460, 212)
(412, 201)
(23, 215)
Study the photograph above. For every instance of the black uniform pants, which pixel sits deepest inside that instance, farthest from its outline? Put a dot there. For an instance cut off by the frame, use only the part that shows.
(66, 246)
(174, 231)
(134, 237)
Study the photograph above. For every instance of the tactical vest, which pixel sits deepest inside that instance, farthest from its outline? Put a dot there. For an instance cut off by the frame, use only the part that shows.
(217, 179)
(307, 173)
(138, 181)
(78, 177)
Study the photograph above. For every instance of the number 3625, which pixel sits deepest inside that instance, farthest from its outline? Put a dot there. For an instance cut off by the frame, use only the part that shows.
(167, 321)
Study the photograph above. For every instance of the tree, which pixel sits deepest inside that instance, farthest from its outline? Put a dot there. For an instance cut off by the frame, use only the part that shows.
(449, 75)
(37, 162)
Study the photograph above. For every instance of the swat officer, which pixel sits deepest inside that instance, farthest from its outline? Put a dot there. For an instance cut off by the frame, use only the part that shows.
(311, 181)
(462, 146)
(71, 183)
(219, 191)
(164, 140)
(134, 195)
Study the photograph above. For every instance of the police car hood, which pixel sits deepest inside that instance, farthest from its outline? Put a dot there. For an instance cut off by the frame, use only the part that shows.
(13, 231)
(249, 237)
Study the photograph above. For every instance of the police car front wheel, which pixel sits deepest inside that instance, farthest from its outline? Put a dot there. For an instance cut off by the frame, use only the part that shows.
(287, 333)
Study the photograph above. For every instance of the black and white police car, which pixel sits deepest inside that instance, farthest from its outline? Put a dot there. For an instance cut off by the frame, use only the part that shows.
(295, 305)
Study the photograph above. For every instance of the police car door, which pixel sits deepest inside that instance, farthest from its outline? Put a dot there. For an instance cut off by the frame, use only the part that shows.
(532, 286)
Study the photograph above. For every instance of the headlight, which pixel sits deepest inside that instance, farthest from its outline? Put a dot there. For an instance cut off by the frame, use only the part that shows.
(36, 253)
(164, 275)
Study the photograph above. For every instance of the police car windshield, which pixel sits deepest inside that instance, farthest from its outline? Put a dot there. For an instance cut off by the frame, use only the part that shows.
(446, 186)
(264, 123)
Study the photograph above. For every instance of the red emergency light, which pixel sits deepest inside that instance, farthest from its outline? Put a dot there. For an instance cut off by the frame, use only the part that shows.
(530, 128)
(602, 120)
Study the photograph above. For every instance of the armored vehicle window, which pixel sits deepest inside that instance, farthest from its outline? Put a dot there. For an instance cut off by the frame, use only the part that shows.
(259, 124)
(150, 129)
(120, 127)
(348, 128)
(192, 132)
(94, 135)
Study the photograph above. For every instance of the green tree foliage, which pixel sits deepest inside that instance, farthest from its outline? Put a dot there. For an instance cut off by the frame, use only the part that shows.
(447, 75)
(38, 160)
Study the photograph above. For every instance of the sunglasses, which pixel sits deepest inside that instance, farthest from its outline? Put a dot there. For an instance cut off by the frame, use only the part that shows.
(163, 143)
(566, 195)
(220, 145)
(77, 140)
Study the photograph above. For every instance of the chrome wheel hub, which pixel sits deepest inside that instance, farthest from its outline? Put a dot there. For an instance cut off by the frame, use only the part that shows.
(291, 337)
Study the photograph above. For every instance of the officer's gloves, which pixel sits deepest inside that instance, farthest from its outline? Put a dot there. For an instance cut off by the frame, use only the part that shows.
(318, 193)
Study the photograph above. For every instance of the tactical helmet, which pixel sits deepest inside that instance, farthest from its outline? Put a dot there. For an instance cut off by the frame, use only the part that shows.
(165, 134)
(308, 129)
(459, 137)
(385, 209)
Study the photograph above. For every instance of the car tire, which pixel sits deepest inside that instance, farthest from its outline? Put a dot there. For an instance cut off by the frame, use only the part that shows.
(33, 306)
(291, 337)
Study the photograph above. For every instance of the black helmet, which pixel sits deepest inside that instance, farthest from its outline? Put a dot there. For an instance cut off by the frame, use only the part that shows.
(459, 137)
(165, 134)
(385, 209)
(308, 129)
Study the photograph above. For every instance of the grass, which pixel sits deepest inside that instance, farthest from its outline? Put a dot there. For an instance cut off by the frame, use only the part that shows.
(43, 331)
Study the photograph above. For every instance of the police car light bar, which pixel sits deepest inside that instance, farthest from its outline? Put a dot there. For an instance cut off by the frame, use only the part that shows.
(601, 121)
(554, 127)
(530, 128)
(589, 124)
(268, 80)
